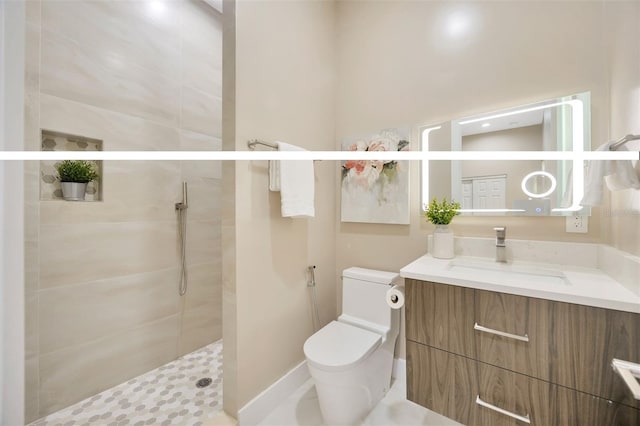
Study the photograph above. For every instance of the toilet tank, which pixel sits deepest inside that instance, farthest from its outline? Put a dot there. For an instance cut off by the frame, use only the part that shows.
(363, 295)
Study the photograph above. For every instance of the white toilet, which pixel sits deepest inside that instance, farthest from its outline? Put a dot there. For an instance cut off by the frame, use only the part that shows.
(351, 359)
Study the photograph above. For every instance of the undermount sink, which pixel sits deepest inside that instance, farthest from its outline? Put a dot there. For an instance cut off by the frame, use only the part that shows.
(527, 273)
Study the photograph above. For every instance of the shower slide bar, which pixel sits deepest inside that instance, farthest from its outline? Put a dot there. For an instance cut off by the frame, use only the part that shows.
(181, 209)
(622, 141)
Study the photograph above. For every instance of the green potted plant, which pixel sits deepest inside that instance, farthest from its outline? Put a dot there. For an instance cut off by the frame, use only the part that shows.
(441, 214)
(74, 175)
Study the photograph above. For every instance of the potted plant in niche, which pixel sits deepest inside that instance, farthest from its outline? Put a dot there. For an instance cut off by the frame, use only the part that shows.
(74, 175)
(441, 214)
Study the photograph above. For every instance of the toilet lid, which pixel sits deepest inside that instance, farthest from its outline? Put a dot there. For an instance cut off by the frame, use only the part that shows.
(338, 345)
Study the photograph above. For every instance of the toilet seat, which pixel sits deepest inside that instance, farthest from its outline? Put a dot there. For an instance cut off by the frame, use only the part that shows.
(339, 346)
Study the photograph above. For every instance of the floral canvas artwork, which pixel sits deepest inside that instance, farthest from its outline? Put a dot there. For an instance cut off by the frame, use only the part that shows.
(376, 191)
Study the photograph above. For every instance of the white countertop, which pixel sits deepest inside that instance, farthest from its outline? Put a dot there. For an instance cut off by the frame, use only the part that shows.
(565, 283)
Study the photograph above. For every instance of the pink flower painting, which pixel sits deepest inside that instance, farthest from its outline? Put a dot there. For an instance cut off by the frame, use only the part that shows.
(376, 191)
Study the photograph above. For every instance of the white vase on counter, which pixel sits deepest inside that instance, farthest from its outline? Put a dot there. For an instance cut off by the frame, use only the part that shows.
(442, 243)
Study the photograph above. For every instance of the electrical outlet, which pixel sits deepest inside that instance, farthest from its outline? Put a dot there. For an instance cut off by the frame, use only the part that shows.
(577, 223)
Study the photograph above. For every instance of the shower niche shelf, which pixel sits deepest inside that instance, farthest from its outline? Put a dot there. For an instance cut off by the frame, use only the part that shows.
(50, 189)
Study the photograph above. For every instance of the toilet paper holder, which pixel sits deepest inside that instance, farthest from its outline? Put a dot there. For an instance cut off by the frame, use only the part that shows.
(395, 297)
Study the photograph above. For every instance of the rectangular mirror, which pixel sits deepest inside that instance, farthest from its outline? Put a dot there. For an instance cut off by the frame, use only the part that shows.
(515, 188)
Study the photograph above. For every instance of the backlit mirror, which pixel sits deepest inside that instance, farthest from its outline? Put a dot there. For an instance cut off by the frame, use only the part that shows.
(515, 188)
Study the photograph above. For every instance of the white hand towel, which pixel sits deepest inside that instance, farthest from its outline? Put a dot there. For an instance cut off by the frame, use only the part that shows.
(274, 175)
(618, 174)
(297, 190)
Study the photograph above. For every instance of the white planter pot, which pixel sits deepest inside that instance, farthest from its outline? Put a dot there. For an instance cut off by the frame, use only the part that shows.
(442, 244)
(73, 191)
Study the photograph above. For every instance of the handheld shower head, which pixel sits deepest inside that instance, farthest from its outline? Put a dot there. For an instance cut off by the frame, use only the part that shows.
(184, 204)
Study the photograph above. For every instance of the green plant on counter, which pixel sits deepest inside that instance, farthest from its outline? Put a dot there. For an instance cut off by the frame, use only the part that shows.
(81, 171)
(442, 213)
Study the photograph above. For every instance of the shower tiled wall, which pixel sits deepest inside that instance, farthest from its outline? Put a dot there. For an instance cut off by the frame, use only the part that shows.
(102, 278)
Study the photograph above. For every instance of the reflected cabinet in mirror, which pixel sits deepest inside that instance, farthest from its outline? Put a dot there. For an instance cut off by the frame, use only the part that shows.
(514, 188)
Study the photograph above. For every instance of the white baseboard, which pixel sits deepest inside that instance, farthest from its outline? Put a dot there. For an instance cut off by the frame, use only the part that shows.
(260, 406)
(399, 369)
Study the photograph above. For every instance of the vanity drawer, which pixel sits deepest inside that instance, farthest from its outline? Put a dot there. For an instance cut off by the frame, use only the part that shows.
(440, 315)
(475, 393)
(566, 344)
(514, 332)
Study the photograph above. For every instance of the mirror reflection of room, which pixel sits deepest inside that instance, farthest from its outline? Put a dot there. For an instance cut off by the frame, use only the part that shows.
(489, 184)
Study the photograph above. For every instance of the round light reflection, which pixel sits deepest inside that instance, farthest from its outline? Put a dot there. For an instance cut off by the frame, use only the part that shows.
(157, 8)
(543, 194)
(458, 24)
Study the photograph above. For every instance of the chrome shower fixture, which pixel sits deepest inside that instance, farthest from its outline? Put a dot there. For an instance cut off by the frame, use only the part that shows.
(181, 208)
(184, 204)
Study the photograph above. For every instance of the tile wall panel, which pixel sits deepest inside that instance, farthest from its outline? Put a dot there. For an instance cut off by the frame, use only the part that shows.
(202, 70)
(31, 380)
(71, 70)
(124, 36)
(205, 286)
(203, 240)
(31, 211)
(201, 28)
(119, 132)
(76, 372)
(200, 326)
(76, 253)
(106, 307)
(197, 109)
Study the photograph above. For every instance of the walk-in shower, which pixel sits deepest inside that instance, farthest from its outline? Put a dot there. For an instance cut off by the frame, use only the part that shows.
(106, 278)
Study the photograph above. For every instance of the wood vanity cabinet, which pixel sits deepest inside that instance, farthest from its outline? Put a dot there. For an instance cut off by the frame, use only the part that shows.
(546, 359)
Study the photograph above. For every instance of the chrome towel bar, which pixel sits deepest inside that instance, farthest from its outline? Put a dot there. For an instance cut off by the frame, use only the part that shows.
(622, 141)
(253, 142)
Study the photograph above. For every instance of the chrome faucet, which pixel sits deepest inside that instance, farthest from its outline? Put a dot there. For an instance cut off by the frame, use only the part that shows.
(501, 247)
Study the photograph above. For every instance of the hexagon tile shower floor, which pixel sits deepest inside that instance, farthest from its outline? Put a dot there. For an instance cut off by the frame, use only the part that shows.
(167, 395)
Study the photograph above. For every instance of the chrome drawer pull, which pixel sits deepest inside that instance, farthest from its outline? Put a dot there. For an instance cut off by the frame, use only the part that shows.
(630, 373)
(481, 403)
(524, 338)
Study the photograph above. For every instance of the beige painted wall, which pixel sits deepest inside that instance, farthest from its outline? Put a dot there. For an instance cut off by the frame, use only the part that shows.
(102, 277)
(624, 22)
(401, 63)
(284, 91)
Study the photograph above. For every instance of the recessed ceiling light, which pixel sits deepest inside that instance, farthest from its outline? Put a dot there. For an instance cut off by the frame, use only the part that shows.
(486, 124)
